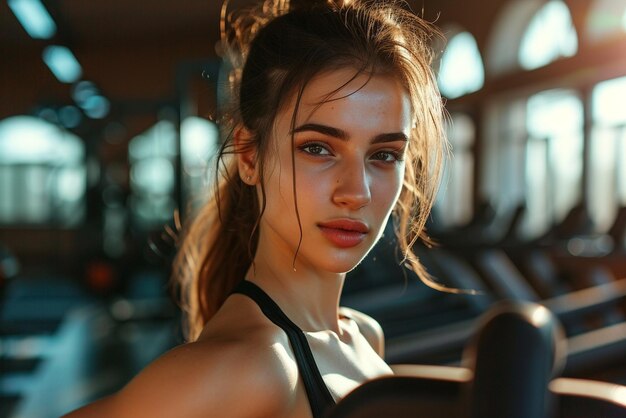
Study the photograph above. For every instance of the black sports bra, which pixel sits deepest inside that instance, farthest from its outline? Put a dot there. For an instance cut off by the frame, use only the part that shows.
(320, 398)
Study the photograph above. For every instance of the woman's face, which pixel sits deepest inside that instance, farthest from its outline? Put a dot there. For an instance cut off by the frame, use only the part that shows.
(349, 168)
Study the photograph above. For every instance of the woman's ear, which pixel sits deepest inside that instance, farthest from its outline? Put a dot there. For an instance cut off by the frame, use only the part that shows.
(246, 151)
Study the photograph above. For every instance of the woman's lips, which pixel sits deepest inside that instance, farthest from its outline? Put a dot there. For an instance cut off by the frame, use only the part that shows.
(344, 233)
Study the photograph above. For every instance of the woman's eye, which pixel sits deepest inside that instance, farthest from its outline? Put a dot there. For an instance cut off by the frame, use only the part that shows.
(315, 149)
(387, 156)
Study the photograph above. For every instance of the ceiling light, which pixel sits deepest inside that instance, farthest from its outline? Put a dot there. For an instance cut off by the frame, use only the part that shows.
(83, 90)
(70, 116)
(34, 18)
(62, 63)
(96, 107)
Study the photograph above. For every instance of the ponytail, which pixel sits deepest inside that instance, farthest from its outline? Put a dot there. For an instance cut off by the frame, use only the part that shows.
(217, 247)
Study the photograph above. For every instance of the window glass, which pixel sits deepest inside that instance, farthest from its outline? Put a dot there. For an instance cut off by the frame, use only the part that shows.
(461, 70)
(606, 18)
(608, 102)
(42, 173)
(549, 36)
(553, 168)
(607, 174)
(152, 157)
(199, 144)
(454, 201)
(503, 172)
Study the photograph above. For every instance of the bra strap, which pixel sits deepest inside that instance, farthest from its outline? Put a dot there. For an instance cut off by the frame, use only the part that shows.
(319, 396)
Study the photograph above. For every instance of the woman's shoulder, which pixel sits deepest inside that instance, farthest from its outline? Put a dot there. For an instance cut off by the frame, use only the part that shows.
(235, 366)
(368, 327)
(235, 371)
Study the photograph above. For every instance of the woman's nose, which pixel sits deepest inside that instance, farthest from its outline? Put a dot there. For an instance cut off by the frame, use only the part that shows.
(352, 187)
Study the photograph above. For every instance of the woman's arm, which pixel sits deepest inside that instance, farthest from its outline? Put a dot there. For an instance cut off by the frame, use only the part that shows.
(230, 379)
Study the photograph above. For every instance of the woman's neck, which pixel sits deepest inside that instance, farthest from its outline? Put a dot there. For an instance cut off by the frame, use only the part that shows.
(309, 298)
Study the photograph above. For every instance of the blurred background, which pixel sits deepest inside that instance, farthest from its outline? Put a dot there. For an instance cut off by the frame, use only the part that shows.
(106, 131)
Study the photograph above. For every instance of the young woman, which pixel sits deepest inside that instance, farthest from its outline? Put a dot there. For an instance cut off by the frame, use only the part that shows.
(337, 123)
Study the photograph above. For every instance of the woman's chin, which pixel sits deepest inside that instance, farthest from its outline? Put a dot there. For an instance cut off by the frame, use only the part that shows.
(342, 265)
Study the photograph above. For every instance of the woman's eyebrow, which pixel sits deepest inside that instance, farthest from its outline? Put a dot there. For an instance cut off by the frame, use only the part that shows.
(340, 134)
(323, 129)
(390, 137)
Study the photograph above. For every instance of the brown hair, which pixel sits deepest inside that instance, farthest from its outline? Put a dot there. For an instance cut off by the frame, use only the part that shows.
(274, 52)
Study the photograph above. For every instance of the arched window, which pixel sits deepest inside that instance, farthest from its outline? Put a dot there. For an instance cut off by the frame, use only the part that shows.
(152, 176)
(502, 181)
(461, 71)
(606, 18)
(534, 156)
(502, 49)
(199, 142)
(549, 36)
(454, 201)
(554, 158)
(42, 173)
(607, 176)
